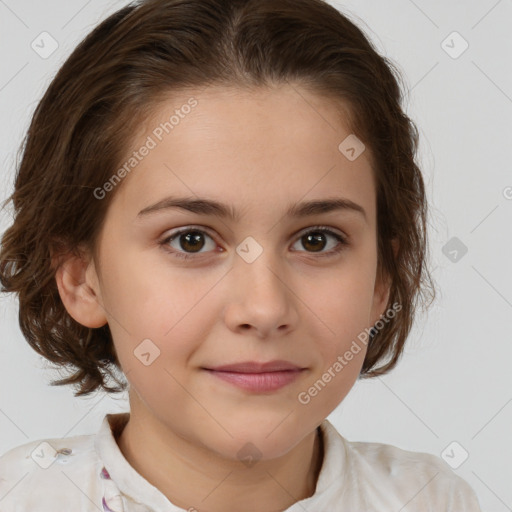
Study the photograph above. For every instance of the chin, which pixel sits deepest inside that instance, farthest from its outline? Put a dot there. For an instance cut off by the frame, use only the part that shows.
(252, 442)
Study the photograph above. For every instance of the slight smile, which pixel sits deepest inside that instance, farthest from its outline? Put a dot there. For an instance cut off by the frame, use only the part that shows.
(258, 377)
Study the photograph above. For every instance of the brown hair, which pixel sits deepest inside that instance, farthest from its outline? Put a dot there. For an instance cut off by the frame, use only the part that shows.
(83, 125)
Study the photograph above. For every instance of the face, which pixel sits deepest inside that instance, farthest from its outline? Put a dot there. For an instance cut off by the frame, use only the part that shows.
(205, 289)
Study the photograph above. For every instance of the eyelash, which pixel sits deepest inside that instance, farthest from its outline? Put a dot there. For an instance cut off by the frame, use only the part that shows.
(342, 241)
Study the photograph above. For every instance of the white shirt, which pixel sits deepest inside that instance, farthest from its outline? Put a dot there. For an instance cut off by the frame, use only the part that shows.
(89, 474)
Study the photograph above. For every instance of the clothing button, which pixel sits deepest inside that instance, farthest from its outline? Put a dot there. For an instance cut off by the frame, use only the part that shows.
(61, 455)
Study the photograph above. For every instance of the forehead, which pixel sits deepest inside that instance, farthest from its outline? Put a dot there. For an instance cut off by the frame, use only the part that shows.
(255, 149)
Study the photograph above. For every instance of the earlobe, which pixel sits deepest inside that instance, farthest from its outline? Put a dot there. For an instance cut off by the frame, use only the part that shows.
(79, 291)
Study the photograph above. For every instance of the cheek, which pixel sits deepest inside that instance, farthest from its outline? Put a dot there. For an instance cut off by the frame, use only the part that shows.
(155, 318)
(341, 306)
(342, 360)
(329, 386)
(152, 298)
(341, 301)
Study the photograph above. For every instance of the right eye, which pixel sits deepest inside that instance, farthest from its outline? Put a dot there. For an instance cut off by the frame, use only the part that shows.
(190, 240)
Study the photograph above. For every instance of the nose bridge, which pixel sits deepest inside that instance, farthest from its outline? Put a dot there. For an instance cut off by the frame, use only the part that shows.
(262, 298)
(259, 265)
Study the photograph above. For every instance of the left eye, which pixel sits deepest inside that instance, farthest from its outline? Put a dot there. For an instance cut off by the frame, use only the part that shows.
(191, 241)
(315, 239)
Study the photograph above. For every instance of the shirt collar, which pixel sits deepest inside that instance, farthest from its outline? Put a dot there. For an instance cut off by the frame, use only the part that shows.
(137, 489)
(131, 484)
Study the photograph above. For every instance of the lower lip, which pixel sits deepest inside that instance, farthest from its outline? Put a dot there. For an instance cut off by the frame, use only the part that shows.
(258, 382)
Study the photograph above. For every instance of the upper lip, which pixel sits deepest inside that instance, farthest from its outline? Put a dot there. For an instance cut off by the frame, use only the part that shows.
(255, 367)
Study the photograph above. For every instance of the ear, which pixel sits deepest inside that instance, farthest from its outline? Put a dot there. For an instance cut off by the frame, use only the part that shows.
(382, 289)
(79, 290)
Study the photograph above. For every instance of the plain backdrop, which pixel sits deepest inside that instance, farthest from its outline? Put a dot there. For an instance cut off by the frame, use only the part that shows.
(454, 381)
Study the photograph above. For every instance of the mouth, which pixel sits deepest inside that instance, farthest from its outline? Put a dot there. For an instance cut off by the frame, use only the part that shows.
(258, 377)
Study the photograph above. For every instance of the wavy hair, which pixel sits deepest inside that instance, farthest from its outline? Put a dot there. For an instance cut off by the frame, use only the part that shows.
(119, 73)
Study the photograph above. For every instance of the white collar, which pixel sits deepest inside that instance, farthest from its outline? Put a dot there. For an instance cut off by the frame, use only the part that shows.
(137, 489)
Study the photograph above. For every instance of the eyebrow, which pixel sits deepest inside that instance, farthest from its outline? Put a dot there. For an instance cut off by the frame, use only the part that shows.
(204, 206)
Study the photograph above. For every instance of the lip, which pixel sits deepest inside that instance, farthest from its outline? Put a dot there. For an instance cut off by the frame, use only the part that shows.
(258, 377)
(256, 367)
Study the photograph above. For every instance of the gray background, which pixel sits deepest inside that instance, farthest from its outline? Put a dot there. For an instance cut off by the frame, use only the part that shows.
(454, 382)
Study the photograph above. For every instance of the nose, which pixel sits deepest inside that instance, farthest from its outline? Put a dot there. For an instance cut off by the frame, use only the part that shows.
(261, 298)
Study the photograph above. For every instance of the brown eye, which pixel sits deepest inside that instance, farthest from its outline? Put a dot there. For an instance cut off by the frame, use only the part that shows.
(317, 239)
(191, 241)
(188, 242)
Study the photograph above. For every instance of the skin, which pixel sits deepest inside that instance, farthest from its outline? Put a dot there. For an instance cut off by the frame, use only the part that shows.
(258, 151)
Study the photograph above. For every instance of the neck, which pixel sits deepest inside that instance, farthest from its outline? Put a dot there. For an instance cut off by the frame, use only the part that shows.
(193, 476)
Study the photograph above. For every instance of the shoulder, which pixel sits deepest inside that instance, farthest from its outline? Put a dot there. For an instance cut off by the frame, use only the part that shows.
(394, 460)
(385, 477)
(423, 479)
(41, 475)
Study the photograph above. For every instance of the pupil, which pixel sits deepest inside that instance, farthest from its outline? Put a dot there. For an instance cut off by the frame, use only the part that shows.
(193, 238)
(315, 239)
